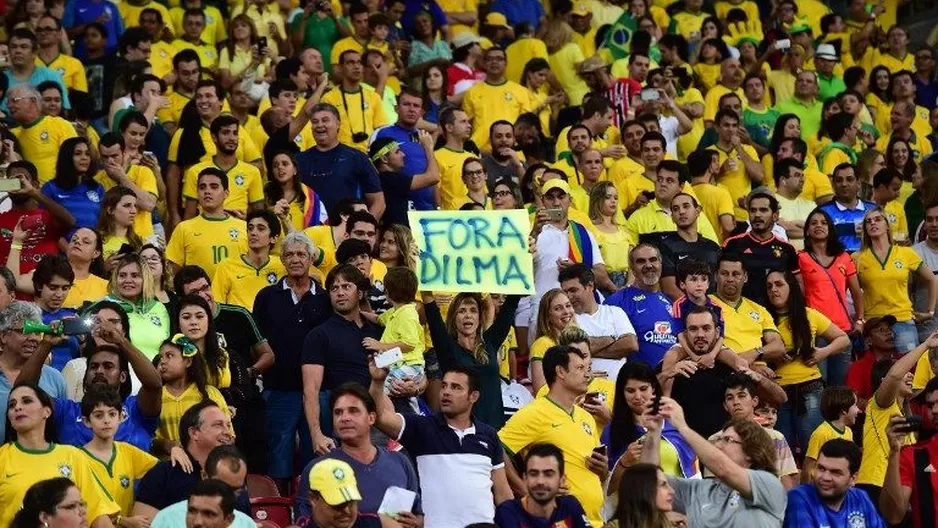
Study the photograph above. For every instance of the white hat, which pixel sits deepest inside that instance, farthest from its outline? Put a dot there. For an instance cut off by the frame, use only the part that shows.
(464, 39)
(826, 52)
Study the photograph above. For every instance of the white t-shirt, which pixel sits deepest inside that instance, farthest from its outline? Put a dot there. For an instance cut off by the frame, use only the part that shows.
(670, 127)
(552, 244)
(606, 321)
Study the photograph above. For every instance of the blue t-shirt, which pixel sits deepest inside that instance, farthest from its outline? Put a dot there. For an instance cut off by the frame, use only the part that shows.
(67, 351)
(847, 221)
(339, 173)
(568, 513)
(806, 510)
(414, 7)
(684, 305)
(650, 314)
(50, 380)
(136, 429)
(84, 201)
(415, 162)
(81, 12)
(519, 11)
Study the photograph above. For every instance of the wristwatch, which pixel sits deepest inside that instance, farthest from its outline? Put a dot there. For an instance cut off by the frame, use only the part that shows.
(759, 353)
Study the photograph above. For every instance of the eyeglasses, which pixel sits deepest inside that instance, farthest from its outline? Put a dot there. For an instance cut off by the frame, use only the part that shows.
(475, 173)
(727, 439)
(152, 258)
(501, 194)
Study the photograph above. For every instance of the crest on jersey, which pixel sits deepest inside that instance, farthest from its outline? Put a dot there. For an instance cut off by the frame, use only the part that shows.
(239, 180)
(899, 264)
(777, 251)
(44, 136)
(125, 481)
(65, 470)
(163, 54)
(587, 428)
(508, 96)
(233, 233)
(156, 320)
(209, 19)
(754, 314)
(93, 196)
(856, 520)
(271, 278)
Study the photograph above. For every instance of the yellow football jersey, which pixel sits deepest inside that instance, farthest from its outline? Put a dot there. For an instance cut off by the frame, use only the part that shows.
(205, 242)
(71, 70)
(745, 324)
(237, 281)
(886, 284)
(172, 112)
(144, 178)
(161, 57)
(245, 185)
(735, 179)
(175, 406)
(131, 13)
(215, 30)
(247, 150)
(40, 142)
(451, 186)
(208, 55)
(486, 103)
(359, 112)
(127, 465)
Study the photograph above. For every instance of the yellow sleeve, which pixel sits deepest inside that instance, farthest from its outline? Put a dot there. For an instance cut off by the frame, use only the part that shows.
(822, 185)
(409, 331)
(176, 249)
(141, 460)
(539, 348)
(912, 258)
(221, 32)
(100, 502)
(255, 187)
(189, 187)
(725, 203)
(520, 430)
(224, 62)
(818, 438)
(221, 283)
(768, 324)
(467, 103)
(250, 151)
(146, 180)
(710, 105)
(380, 118)
(79, 80)
(173, 154)
(923, 373)
(65, 130)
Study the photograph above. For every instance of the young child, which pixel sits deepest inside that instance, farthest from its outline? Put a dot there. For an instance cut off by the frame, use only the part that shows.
(117, 464)
(766, 414)
(839, 409)
(184, 385)
(693, 278)
(402, 327)
(379, 27)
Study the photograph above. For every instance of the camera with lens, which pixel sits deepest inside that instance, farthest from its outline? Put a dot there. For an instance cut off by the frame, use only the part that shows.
(358, 137)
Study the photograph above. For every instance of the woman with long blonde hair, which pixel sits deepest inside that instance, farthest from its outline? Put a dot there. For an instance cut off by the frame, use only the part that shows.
(241, 56)
(613, 238)
(555, 312)
(396, 247)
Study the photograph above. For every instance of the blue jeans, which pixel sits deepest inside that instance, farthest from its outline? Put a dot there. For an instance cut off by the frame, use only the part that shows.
(285, 418)
(796, 428)
(906, 336)
(834, 368)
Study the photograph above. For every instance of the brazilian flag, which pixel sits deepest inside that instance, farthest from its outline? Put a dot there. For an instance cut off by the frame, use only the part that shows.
(619, 38)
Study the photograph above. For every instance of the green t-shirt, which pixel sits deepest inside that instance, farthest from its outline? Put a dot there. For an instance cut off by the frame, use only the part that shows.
(321, 34)
(760, 124)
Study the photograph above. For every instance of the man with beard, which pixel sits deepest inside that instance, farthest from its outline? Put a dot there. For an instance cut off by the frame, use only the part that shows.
(447, 444)
(400, 188)
(762, 250)
(832, 499)
(503, 161)
(333, 353)
(655, 216)
(847, 209)
(648, 309)
(353, 416)
(731, 79)
(245, 185)
(18, 348)
(576, 434)
(108, 355)
(543, 505)
(579, 139)
(686, 242)
(416, 157)
(45, 224)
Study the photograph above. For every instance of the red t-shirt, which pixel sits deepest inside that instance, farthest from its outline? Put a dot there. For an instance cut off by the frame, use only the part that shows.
(858, 376)
(43, 240)
(459, 72)
(907, 475)
(826, 290)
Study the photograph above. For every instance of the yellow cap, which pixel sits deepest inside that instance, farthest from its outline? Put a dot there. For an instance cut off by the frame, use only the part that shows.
(496, 19)
(580, 9)
(335, 481)
(555, 183)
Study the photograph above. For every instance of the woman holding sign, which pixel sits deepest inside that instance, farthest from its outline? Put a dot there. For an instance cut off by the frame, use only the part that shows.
(460, 341)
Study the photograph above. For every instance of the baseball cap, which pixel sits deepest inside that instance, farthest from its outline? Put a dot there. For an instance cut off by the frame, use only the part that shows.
(580, 9)
(555, 183)
(496, 19)
(465, 38)
(826, 52)
(335, 481)
(873, 322)
(800, 27)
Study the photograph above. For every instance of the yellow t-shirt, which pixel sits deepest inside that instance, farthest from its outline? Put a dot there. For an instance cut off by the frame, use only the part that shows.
(112, 244)
(89, 289)
(237, 282)
(511, 342)
(131, 13)
(745, 324)
(563, 64)
(539, 348)
(920, 148)
(245, 185)
(895, 214)
(634, 183)
(651, 218)
(322, 238)
(208, 55)
(22, 468)
(687, 24)
(486, 103)
(830, 160)
(343, 45)
(206, 242)
(576, 434)
(712, 100)
(688, 142)
(604, 386)
(172, 112)
(749, 7)
(40, 142)
(824, 433)
(894, 63)
(71, 70)
(519, 53)
(127, 465)
(174, 407)
(242, 58)
(923, 373)
(161, 57)
(355, 114)
(886, 284)
(402, 325)
(215, 30)
(460, 6)
(875, 444)
(795, 371)
(144, 178)
(736, 180)
(586, 42)
(614, 248)
(247, 150)
(451, 186)
(716, 203)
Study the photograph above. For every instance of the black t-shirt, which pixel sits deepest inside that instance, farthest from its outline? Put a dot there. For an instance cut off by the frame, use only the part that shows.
(396, 187)
(101, 74)
(165, 485)
(238, 335)
(336, 344)
(279, 141)
(674, 249)
(701, 396)
(761, 257)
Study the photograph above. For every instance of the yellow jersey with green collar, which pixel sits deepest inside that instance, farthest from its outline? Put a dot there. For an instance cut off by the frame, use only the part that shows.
(359, 111)
(343, 45)
(71, 70)
(895, 64)
(486, 103)
(206, 242)
(175, 406)
(918, 143)
(131, 13)
(144, 178)
(575, 434)
(21, 468)
(245, 185)
(40, 142)
(247, 150)
(215, 30)
(118, 475)
(886, 283)
(208, 55)
(452, 188)
(161, 57)
(172, 112)
(322, 238)
(745, 324)
(237, 281)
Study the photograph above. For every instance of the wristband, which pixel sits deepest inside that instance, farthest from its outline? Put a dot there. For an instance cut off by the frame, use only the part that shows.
(16, 245)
